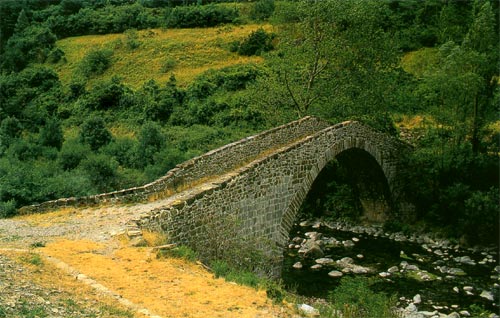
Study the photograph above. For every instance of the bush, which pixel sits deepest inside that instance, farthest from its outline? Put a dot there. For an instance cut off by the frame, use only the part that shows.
(71, 154)
(101, 171)
(94, 133)
(257, 42)
(182, 252)
(356, 300)
(8, 209)
(200, 16)
(95, 62)
(262, 10)
(51, 135)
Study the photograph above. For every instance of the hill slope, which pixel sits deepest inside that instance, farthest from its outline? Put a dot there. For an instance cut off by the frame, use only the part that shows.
(159, 53)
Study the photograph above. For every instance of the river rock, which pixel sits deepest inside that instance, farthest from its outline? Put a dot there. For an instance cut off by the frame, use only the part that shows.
(393, 269)
(316, 225)
(488, 295)
(297, 265)
(316, 267)
(308, 310)
(313, 235)
(305, 223)
(468, 288)
(464, 313)
(412, 268)
(355, 239)
(456, 290)
(417, 299)
(464, 260)
(360, 256)
(311, 249)
(453, 315)
(335, 274)
(429, 313)
(384, 274)
(348, 243)
(324, 261)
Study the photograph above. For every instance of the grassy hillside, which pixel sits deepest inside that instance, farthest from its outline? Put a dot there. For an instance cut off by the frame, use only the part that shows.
(183, 52)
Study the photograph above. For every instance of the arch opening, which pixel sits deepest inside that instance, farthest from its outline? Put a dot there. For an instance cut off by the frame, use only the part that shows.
(353, 186)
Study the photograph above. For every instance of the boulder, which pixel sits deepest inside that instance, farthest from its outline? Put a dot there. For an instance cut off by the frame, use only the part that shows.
(324, 261)
(308, 310)
(335, 274)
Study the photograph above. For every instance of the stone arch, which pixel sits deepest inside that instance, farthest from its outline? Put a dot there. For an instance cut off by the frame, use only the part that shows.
(375, 144)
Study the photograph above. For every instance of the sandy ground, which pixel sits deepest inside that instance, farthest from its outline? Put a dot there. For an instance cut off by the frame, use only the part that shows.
(83, 255)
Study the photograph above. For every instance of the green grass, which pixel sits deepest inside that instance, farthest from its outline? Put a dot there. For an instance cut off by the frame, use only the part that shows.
(160, 53)
(29, 311)
(33, 259)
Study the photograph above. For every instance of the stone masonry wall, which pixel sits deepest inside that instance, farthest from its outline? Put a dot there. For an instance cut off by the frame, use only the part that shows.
(266, 194)
(213, 163)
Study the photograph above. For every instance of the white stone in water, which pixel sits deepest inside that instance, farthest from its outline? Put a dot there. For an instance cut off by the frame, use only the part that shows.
(305, 223)
(316, 266)
(297, 265)
(454, 306)
(438, 252)
(355, 239)
(468, 288)
(324, 261)
(455, 289)
(412, 268)
(453, 315)
(316, 225)
(488, 295)
(335, 274)
(417, 299)
(469, 293)
(291, 246)
(429, 313)
(360, 256)
(464, 313)
(393, 269)
(411, 308)
(348, 243)
(384, 274)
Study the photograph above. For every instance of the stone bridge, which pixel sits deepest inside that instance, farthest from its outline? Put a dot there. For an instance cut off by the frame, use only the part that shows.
(259, 183)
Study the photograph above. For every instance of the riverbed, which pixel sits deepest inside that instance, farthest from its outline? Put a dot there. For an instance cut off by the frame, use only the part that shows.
(424, 272)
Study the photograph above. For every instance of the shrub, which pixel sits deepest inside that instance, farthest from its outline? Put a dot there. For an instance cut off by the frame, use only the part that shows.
(356, 300)
(262, 10)
(101, 171)
(8, 209)
(94, 133)
(95, 62)
(71, 154)
(257, 42)
(51, 135)
(182, 252)
(55, 55)
(132, 39)
(200, 16)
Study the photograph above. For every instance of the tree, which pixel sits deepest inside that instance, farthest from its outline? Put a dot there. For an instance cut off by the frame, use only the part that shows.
(337, 61)
(94, 133)
(51, 134)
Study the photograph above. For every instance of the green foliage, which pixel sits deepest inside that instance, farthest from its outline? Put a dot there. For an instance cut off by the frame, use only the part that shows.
(262, 10)
(71, 154)
(27, 310)
(93, 132)
(242, 277)
(10, 129)
(200, 16)
(32, 44)
(132, 39)
(96, 62)
(51, 134)
(101, 170)
(8, 209)
(182, 252)
(356, 300)
(256, 43)
(480, 219)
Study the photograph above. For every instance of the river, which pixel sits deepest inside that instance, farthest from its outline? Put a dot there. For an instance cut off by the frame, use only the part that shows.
(447, 278)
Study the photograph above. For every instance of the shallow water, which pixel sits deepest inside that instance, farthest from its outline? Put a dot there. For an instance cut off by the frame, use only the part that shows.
(381, 253)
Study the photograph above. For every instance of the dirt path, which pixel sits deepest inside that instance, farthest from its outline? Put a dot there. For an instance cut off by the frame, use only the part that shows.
(77, 263)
